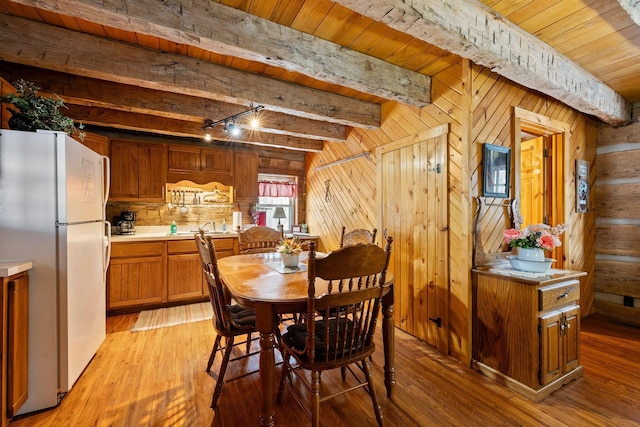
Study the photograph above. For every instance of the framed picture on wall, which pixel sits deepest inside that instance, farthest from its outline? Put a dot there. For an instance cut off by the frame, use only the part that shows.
(296, 228)
(496, 171)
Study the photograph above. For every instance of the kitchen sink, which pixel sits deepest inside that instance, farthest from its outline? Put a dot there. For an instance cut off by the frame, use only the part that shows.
(192, 232)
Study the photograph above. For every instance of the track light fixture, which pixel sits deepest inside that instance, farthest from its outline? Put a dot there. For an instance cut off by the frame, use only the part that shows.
(229, 123)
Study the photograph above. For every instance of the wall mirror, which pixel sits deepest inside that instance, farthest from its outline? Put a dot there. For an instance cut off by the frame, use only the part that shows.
(496, 167)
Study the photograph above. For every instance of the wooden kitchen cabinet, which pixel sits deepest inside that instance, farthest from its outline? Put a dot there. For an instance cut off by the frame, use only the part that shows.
(138, 171)
(14, 360)
(185, 280)
(246, 177)
(18, 343)
(200, 165)
(526, 330)
(136, 276)
(158, 273)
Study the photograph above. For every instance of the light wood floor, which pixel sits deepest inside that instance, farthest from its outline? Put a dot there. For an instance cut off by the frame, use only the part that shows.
(157, 378)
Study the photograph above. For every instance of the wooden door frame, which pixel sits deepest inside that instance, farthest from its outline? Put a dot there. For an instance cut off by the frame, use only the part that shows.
(542, 125)
(442, 297)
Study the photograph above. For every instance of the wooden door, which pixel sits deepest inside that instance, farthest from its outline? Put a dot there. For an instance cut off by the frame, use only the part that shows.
(532, 181)
(412, 176)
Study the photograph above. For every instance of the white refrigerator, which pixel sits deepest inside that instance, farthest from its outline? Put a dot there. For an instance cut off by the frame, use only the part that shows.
(53, 195)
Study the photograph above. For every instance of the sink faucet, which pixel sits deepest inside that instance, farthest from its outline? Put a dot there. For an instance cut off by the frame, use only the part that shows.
(203, 226)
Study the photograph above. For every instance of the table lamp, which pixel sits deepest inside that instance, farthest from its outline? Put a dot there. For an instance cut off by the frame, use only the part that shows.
(279, 213)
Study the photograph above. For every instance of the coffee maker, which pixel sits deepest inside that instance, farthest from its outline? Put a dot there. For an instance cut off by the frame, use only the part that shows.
(127, 222)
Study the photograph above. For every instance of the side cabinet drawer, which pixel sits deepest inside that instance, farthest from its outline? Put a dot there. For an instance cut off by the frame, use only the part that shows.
(558, 294)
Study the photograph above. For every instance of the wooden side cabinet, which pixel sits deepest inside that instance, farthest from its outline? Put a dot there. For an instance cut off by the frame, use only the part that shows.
(526, 330)
(15, 342)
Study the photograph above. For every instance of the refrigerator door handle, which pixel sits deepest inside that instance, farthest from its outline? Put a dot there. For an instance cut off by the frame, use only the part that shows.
(107, 183)
(107, 251)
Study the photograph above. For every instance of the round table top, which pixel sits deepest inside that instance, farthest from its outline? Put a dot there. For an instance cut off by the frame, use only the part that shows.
(250, 277)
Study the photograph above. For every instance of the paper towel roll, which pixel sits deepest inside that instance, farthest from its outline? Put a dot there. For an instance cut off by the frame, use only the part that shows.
(237, 220)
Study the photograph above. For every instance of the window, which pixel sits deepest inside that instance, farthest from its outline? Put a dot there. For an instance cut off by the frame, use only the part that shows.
(278, 191)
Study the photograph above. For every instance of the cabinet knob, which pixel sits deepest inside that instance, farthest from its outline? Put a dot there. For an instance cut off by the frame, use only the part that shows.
(564, 295)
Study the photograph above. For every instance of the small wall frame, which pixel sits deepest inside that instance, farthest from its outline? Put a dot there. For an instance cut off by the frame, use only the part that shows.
(496, 171)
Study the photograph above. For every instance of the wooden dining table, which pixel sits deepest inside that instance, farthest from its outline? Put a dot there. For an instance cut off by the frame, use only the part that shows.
(259, 282)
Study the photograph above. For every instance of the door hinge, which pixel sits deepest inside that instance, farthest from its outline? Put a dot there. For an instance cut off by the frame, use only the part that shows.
(437, 169)
(437, 321)
(539, 329)
(547, 152)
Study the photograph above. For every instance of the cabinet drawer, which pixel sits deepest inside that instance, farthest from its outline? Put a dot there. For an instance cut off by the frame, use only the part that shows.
(136, 249)
(182, 246)
(558, 294)
(223, 244)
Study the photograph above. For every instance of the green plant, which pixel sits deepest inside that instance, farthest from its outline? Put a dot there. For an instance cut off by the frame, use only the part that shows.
(37, 112)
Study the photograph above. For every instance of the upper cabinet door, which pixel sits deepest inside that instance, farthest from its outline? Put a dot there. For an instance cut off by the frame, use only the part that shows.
(138, 171)
(246, 177)
(215, 161)
(184, 159)
(151, 171)
(124, 170)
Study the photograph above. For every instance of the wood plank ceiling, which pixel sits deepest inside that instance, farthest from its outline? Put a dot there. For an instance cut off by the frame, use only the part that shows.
(317, 66)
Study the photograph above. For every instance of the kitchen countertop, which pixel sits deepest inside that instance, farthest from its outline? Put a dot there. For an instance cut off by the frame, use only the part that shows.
(8, 269)
(161, 232)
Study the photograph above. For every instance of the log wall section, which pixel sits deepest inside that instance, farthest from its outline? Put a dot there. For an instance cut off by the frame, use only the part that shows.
(617, 231)
(478, 105)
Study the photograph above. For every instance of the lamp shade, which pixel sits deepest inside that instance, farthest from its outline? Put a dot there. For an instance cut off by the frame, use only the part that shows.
(279, 213)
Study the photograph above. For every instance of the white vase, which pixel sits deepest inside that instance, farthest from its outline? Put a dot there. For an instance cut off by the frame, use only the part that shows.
(290, 260)
(531, 254)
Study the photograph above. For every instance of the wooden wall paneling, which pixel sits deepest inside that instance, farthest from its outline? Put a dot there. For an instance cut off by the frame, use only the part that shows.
(619, 165)
(617, 277)
(618, 200)
(618, 239)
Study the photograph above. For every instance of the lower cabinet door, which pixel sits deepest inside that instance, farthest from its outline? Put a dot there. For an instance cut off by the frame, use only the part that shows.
(185, 280)
(559, 343)
(135, 281)
(551, 365)
(18, 344)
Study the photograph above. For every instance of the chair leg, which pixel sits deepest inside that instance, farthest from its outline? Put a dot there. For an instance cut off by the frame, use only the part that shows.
(214, 350)
(248, 342)
(223, 369)
(343, 372)
(376, 407)
(286, 374)
(315, 398)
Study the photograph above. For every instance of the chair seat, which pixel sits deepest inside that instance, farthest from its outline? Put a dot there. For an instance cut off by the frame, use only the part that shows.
(296, 336)
(241, 316)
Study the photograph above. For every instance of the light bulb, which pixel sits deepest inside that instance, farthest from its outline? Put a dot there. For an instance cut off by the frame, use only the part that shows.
(207, 137)
(235, 131)
(254, 123)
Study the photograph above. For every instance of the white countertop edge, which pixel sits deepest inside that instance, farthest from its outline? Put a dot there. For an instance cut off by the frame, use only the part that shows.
(8, 269)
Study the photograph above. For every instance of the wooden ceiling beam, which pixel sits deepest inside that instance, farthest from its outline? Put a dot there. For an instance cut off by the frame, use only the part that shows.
(101, 93)
(222, 29)
(167, 126)
(72, 52)
(472, 30)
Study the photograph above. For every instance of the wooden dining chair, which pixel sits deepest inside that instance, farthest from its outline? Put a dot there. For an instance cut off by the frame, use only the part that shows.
(256, 240)
(229, 320)
(359, 235)
(339, 325)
